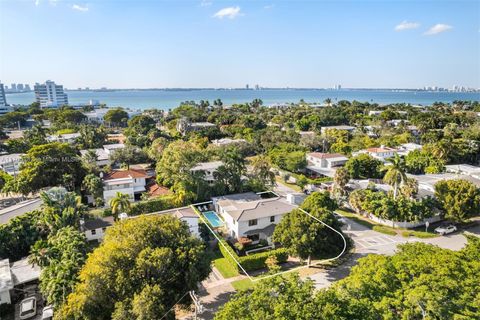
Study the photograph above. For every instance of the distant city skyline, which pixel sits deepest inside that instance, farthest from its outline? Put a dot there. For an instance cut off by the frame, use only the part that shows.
(228, 44)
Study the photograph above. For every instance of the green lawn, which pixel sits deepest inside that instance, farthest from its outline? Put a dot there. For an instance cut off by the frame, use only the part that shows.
(225, 268)
(356, 218)
(243, 284)
(385, 230)
(419, 234)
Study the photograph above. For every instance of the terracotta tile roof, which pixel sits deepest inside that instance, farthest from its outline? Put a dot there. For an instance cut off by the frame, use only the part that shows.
(131, 173)
(156, 190)
(320, 155)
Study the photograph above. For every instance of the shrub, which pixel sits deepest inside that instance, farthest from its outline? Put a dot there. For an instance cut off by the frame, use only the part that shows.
(254, 261)
(157, 204)
(257, 260)
(385, 230)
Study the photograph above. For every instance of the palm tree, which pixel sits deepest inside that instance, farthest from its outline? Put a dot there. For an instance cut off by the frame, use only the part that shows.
(328, 102)
(119, 203)
(340, 180)
(395, 175)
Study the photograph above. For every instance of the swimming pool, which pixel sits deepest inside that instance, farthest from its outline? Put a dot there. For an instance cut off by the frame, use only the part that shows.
(213, 218)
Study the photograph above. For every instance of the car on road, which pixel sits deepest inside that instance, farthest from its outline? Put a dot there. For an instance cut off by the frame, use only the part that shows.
(28, 308)
(443, 230)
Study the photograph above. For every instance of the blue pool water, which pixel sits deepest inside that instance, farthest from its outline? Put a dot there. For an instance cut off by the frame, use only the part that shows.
(213, 218)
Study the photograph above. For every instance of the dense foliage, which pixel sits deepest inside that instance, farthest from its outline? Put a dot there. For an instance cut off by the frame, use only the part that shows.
(460, 199)
(419, 282)
(384, 206)
(141, 276)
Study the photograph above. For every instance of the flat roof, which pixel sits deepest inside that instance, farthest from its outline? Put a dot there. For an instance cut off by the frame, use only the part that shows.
(24, 272)
(6, 282)
(203, 166)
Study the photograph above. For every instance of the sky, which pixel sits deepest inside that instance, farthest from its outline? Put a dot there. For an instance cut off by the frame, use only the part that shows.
(209, 43)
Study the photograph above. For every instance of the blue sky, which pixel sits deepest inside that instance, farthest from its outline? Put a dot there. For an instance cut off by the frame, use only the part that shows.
(144, 44)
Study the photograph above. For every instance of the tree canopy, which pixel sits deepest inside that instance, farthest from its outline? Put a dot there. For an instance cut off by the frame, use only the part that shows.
(141, 269)
(420, 281)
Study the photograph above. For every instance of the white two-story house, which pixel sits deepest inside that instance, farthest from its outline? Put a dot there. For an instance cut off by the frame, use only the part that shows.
(131, 182)
(324, 164)
(249, 215)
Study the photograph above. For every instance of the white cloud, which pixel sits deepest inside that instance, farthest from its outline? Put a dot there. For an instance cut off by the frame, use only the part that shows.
(80, 8)
(205, 3)
(230, 12)
(269, 6)
(37, 3)
(438, 28)
(405, 25)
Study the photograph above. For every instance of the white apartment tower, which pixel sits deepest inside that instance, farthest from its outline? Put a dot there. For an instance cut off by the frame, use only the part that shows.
(50, 95)
(3, 100)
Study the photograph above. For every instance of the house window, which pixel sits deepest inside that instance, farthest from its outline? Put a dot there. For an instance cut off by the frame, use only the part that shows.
(272, 219)
(254, 237)
(94, 232)
(252, 222)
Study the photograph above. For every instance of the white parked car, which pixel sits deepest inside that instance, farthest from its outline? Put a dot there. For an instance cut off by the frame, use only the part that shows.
(28, 308)
(446, 229)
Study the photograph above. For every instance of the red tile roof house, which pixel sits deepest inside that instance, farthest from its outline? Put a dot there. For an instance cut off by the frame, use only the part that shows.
(132, 182)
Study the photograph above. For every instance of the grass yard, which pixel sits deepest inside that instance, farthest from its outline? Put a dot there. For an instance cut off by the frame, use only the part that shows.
(385, 230)
(419, 234)
(223, 265)
(244, 284)
(225, 268)
(356, 218)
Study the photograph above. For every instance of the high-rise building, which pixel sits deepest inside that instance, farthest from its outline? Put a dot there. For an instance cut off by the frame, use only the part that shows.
(13, 87)
(3, 101)
(50, 95)
(27, 88)
(20, 87)
(247, 86)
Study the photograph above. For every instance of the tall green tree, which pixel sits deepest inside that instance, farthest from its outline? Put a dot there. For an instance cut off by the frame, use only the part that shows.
(229, 174)
(141, 269)
(364, 166)
(46, 166)
(304, 236)
(396, 173)
(459, 199)
(60, 257)
(120, 203)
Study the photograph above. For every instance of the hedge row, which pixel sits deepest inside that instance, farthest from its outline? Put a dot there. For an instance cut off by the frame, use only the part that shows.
(254, 261)
(156, 204)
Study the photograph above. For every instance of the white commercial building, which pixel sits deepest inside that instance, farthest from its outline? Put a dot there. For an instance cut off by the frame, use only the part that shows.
(50, 95)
